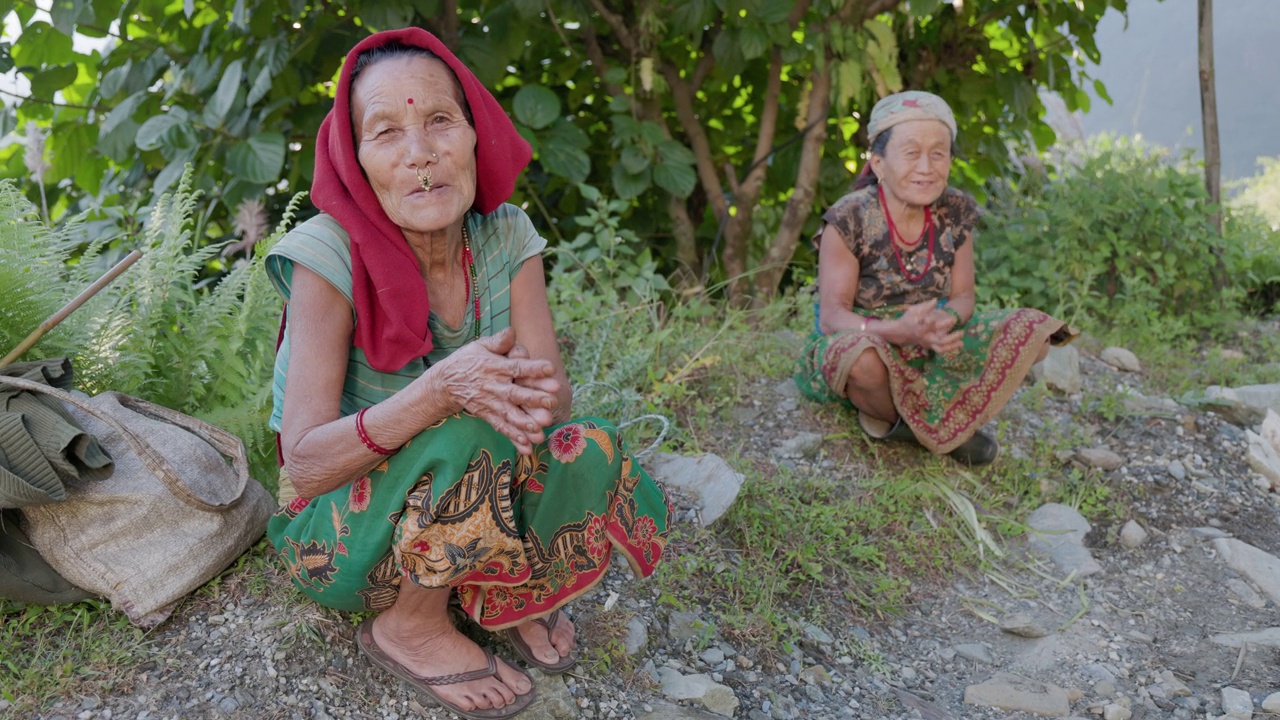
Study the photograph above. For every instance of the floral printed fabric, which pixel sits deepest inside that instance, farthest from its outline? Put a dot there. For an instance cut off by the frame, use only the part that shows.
(517, 536)
(944, 399)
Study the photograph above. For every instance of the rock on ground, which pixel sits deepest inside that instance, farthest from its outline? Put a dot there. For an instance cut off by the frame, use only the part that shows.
(1058, 531)
(1016, 693)
(1260, 567)
(709, 477)
(1132, 535)
(1121, 359)
(1060, 370)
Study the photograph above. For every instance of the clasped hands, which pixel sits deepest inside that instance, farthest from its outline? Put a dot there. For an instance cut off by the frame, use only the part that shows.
(930, 327)
(494, 379)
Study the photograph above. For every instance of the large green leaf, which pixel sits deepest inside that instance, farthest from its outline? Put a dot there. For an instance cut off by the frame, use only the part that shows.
(635, 159)
(258, 159)
(41, 44)
(566, 161)
(677, 179)
(73, 156)
(536, 106)
(224, 98)
(673, 152)
(627, 185)
(152, 133)
(753, 42)
(47, 82)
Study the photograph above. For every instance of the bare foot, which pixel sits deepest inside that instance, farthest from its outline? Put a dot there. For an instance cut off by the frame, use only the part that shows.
(550, 647)
(445, 651)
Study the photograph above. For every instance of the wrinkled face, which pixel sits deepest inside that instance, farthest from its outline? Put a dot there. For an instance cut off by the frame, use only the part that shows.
(916, 162)
(407, 115)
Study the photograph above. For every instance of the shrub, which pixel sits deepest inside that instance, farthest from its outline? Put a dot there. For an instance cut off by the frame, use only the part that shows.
(1122, 239)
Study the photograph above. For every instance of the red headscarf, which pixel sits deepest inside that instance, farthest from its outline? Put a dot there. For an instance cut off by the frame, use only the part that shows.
(390, 296)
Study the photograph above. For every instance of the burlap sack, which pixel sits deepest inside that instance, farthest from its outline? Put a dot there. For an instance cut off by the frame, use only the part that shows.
(177, 510)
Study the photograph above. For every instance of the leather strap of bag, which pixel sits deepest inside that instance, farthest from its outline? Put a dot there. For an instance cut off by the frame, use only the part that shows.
(224, 442)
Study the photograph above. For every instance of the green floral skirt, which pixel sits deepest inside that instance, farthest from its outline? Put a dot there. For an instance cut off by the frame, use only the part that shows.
(944, 399)
(516, 536)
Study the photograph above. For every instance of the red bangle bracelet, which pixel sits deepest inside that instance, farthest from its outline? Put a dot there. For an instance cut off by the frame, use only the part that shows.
(364, 436)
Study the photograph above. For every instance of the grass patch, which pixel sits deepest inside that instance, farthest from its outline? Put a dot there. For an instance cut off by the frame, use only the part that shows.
(83, 646)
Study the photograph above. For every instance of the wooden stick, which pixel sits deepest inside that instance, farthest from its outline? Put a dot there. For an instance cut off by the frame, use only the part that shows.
(53, 320)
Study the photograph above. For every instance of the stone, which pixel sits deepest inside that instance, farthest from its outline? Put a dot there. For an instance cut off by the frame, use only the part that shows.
(816, 675)
(1244, 406)
(1264, 459)
(1016, 693)
(1100, 458)
(1245, 593)
(1262, 568)
(1271, 703)
(1236, 703)
(1113, 711)
(1270, 430)
(1058, 531)
(707, 476)
(715, 697)
(817, 634)
(1132, 535)
(637, 638)
(787, 388)
(554, 700)
(712, 656)
(683, 626)
(1177, 471)
(1268, 637)
(977, 652)
(1022, 625)
(801, 445)
(1060, 370)
(1121, 359)
(1173, 687)
(1105, 688)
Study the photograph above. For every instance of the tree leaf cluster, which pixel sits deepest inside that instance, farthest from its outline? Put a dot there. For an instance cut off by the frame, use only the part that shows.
(695, 112)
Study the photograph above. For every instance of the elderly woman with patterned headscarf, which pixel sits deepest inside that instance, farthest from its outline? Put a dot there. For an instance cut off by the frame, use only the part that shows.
(420, 397)
(897, 335)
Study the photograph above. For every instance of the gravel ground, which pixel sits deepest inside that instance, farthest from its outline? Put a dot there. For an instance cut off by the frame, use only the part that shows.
(1134, 640)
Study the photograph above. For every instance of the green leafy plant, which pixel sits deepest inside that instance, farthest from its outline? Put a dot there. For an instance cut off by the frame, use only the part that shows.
(1122, 239)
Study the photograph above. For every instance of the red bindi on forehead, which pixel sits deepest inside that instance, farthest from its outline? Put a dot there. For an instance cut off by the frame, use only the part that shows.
(410, 101)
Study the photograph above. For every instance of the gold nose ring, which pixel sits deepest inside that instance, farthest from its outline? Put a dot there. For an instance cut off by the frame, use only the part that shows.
(424, 180)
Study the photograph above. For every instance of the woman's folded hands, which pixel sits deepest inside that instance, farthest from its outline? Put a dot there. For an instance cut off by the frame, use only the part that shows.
(494, 379)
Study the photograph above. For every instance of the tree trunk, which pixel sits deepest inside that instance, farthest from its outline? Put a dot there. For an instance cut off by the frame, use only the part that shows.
(1209, 111)
(746, 195)
(800, 204)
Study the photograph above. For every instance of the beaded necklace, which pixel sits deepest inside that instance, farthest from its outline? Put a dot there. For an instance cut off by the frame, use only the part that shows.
(895, 236)
(473, 283)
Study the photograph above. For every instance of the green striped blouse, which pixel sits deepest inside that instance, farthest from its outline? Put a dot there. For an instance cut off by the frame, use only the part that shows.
(501, 242)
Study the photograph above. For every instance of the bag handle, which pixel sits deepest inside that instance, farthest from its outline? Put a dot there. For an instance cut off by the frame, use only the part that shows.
(221, 440)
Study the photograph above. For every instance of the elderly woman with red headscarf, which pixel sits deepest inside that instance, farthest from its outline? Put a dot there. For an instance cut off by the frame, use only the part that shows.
(420, 397)
(897, 335)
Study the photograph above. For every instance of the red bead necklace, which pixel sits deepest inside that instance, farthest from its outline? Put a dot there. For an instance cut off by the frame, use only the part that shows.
(895, 237)
(472, 283)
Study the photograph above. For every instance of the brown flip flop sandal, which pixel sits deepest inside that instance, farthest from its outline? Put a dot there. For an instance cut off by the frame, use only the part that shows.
(523, 649)
(367, 645)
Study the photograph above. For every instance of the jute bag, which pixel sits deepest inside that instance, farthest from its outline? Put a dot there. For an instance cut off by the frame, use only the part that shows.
(177, 510)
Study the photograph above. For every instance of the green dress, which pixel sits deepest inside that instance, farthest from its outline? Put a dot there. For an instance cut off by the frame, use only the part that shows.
(516, 536)
(944, 399)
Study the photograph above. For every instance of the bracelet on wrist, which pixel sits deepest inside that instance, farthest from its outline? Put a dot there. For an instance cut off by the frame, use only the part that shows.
(364, 436)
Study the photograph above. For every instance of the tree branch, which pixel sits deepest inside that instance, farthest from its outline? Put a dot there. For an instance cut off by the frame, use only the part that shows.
(619, 27)
(42, 101)
(682, 98)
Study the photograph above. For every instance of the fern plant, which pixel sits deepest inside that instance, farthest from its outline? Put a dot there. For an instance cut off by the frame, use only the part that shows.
(159, 331)
(33, 279)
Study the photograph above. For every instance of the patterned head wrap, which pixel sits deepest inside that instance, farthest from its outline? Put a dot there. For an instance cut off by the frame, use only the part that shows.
(909, 105)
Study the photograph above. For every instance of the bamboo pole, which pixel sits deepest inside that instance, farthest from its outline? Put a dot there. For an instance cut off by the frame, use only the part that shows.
(53, 320)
